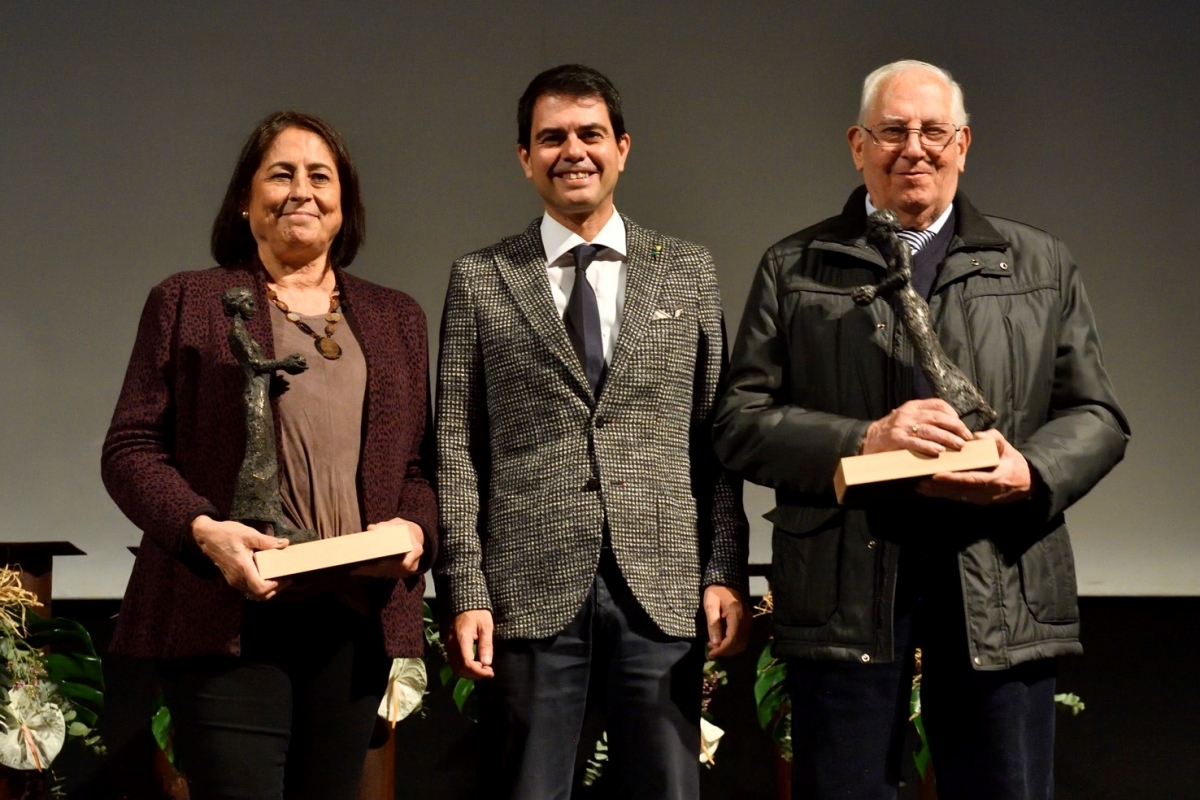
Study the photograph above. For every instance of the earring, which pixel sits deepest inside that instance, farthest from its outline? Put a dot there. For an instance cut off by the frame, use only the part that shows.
(245, 215)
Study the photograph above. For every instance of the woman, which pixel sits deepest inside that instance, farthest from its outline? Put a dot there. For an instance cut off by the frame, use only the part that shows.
(273, 688)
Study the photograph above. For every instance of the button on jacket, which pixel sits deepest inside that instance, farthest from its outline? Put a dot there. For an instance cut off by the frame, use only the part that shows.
(810, 370)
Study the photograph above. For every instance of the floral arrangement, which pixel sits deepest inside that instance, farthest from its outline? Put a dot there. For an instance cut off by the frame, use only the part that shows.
(51, 681)
(771, 698)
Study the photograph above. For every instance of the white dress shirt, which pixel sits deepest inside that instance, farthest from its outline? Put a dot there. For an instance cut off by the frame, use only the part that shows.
(934, 228)
(606, 274)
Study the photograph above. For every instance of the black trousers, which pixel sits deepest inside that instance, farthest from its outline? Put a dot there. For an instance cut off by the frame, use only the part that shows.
(991, 734)
(292, 717)
(612, 654)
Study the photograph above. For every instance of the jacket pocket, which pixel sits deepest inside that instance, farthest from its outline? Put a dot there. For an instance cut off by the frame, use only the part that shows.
(805, 557)
(1048, 579)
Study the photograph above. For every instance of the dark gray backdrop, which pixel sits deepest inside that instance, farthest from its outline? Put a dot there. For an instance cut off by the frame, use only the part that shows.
(120, 122)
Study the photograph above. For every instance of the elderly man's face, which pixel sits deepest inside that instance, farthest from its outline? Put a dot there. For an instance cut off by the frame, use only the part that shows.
(913, 180)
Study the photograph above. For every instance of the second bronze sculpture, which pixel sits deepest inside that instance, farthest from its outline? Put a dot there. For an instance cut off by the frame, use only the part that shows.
(947, 380)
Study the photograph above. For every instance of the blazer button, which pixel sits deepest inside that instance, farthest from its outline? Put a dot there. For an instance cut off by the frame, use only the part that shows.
(592, 485)
(601, 422)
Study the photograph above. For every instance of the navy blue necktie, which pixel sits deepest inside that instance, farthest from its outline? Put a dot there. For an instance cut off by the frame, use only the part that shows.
(582, 319)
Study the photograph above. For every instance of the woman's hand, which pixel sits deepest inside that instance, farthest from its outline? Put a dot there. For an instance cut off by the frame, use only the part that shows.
(399, 566)
(231, 545)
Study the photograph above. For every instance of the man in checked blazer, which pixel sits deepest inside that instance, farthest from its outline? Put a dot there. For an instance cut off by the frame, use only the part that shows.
(586, 520)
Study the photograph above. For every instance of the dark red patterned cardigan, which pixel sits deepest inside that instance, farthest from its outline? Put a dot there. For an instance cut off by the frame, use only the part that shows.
(177, 440)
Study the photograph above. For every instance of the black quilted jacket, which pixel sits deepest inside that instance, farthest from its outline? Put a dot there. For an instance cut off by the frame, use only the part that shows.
(810, 370)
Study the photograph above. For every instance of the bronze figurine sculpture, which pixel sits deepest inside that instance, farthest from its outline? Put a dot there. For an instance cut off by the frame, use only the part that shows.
(256, 495)
(947, 380)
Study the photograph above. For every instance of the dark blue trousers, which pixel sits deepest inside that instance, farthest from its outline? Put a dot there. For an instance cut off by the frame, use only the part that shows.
(612, 655)
(991, 734)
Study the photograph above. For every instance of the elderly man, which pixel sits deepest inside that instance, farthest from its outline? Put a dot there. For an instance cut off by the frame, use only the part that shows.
(586, 516)
(975, 568)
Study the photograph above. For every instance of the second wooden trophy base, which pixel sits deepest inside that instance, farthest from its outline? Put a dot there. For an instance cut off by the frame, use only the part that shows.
(862, 478)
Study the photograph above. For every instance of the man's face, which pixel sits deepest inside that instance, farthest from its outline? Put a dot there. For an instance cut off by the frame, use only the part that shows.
(915, 181)
(574, 158)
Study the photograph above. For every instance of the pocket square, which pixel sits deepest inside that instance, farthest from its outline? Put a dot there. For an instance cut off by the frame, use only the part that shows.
(667, 313)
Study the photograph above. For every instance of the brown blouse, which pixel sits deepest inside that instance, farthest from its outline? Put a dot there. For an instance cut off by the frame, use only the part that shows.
(320, 420)
(320, 427)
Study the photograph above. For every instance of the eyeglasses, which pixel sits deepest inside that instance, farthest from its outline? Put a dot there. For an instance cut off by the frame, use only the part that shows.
(934, 136)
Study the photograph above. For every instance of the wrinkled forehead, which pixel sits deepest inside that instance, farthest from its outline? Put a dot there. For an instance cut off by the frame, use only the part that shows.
(915, 95)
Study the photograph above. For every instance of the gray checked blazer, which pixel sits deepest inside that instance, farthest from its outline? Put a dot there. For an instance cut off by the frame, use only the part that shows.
(530, 465)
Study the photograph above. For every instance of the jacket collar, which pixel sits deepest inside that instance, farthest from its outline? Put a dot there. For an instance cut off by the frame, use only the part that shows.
(848, 232)
(645, 260)
(522, 265)
(521, 261)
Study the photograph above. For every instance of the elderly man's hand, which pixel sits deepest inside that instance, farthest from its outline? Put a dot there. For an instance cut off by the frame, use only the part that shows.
(1010, 481)
(928, 427)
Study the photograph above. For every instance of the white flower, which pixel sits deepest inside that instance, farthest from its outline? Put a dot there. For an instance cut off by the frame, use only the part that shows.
(405, 688)
(710, 737)
(38, 735)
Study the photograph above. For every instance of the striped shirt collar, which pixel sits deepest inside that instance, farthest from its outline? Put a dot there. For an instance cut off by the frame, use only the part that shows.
(918, 239)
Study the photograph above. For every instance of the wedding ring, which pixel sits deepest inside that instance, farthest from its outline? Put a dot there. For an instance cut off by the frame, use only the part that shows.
(915, 428)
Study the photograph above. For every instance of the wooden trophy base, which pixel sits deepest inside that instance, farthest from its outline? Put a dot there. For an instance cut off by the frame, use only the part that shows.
(862, 478)
(336, 552)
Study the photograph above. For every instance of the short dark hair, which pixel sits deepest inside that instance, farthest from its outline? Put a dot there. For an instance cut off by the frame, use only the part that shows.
(233, 243)
(569, 80)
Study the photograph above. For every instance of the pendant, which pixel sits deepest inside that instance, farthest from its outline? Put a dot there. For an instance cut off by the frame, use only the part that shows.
(328, 347)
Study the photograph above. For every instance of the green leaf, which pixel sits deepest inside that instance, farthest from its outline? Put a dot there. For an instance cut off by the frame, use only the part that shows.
(770, 680)
(921, 755)
(781, 730)
(85, 715)
(62, 635)
(465, 698)
(765, 658)
(1071, 701)
(72, 664)
(446, 674)
(78, 729)
(75, 668)
(164, 732)
(769, 709)
(78, 694)
(922, 759)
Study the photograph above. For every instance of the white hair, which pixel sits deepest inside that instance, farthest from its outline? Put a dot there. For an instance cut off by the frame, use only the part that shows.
(877, 78)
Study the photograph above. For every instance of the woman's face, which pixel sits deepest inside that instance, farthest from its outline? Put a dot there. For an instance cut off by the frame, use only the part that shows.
(295, 207)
